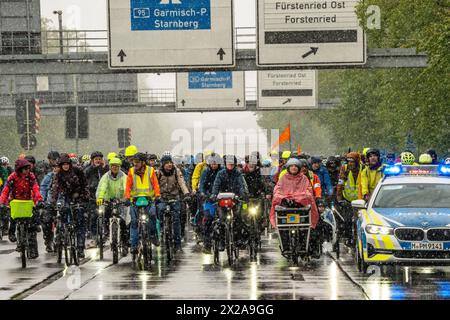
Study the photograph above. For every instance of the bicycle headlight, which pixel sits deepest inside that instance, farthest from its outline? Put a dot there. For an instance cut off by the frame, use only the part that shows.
(229, 217)
(375, 229)
(101, 210)
(143, 217)
(253, 211)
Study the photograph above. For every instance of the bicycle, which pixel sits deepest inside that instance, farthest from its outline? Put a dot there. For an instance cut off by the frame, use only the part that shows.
(169, 240)
(115, 229)
(253, 221)
(22, 213)
(65, 233)
(226, 202)
(144, 255)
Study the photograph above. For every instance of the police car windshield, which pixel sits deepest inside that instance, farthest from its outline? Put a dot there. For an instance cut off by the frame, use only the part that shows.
(413, 196)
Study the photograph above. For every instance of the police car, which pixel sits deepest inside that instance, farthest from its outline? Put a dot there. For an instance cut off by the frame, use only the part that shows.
(407, 219)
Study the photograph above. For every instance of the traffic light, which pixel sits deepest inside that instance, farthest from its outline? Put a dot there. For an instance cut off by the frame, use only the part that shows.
(21, 116)
(124, 137)
(83, 123)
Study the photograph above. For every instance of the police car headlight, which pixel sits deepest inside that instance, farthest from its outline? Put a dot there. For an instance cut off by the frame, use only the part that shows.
(253, 211)
(383, 230)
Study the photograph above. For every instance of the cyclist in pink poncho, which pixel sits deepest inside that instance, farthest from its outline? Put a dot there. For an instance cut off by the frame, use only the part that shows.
(296, 188)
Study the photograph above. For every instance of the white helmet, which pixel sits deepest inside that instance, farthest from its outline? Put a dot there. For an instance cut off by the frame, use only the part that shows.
(4, 160)
(447, 161)
(167, 153)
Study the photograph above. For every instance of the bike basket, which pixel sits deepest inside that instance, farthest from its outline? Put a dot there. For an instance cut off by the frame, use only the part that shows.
(142, 202)
(21, 208)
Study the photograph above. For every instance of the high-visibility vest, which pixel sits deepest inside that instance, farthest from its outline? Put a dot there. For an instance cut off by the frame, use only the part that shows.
(350, 191)
(142, 187)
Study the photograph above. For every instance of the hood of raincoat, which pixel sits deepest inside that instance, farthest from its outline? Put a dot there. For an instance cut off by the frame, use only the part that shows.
(297, 188)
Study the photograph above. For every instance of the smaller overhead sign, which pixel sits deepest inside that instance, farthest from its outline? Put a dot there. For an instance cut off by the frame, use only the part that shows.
(211, 91)
(282, 90)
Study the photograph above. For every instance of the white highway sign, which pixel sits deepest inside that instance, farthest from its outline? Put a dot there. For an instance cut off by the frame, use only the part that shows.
(284, 90)
(211, 91)
(309, 33)
(172, 34)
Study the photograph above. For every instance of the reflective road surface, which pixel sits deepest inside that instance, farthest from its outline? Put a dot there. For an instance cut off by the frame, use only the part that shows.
(194, 276)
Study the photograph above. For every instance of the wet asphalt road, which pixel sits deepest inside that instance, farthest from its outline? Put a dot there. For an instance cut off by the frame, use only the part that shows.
(194, 276)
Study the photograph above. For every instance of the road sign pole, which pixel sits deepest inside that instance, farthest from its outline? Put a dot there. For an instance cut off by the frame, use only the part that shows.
(75, 100)
(28, 124)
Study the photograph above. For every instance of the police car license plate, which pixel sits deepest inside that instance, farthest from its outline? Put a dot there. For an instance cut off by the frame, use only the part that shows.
(427, 246)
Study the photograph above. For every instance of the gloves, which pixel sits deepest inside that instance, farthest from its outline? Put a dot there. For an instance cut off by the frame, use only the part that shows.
(99, 202)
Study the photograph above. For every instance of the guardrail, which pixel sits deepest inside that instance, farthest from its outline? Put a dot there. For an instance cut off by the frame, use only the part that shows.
(81, 41)
(144, 96)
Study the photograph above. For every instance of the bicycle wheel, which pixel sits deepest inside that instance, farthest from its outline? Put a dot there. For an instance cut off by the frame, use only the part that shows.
(168, 238)
(100, 236)
(58, 246)
(73, 249)
(230, 246)
(67, 248)
(115, 242)
(22, 244)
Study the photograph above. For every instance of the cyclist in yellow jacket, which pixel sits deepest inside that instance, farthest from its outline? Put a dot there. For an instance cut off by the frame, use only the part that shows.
(142, 182)
(371, 174)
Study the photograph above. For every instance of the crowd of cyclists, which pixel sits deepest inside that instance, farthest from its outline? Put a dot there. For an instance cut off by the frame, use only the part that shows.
(190, 186)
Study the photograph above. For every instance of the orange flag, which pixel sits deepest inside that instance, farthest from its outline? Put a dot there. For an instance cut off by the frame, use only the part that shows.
(299, 150)
(285, 136)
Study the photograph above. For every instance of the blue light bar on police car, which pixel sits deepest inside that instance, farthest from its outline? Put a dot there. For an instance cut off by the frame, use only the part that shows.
(392, 170)
(444, 170)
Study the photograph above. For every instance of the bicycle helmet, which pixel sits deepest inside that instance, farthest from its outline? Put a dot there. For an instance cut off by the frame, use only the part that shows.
(267, 163)
(407, 158)
(447, 161)
(86, 158)
(165, 154)
(152, 157)
(230, 159)
(111, 155)
(131, 151)
(294, 162)
(53, 155)
(373, 152)
(96, 154)
(115, 162)
(286, 155)
(166, 159)
(425, 159)
(4, 160)
(31, 159)
(214, 158)
(140, 157)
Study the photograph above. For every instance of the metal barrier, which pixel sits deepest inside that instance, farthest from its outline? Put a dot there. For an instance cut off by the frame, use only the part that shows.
(81, 41)
(144, 96)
